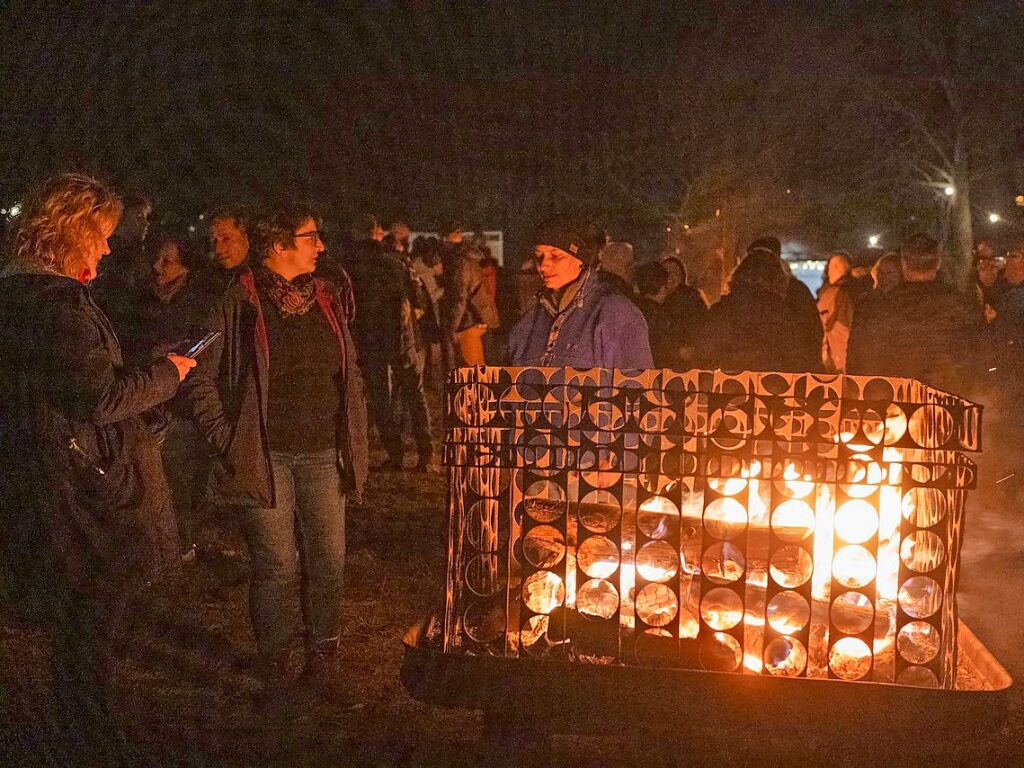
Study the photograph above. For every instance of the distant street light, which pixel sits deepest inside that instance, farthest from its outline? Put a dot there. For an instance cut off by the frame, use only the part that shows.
(873, 241)
(15, 210)
(994, 218)
(950, 190)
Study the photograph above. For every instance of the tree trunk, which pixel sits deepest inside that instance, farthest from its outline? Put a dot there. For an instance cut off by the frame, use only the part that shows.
(962, 241)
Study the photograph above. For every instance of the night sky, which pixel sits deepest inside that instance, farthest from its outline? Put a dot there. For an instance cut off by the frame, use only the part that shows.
(492, 113)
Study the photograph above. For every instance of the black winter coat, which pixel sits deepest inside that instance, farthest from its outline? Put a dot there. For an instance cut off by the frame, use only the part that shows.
(228, 392)
(923, 331)
(754, 331)
(83, 497)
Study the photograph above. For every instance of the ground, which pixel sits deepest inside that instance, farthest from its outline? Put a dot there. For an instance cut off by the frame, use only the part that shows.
(186, 688)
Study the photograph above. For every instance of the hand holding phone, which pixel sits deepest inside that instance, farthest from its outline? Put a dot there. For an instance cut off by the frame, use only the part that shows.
(198, 347)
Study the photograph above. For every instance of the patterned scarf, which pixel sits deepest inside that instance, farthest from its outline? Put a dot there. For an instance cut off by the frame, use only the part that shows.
(293, 297)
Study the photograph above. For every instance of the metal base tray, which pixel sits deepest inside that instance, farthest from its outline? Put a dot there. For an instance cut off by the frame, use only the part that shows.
(710, 708)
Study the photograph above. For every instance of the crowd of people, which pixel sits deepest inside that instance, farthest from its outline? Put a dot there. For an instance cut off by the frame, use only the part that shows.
(115, 443)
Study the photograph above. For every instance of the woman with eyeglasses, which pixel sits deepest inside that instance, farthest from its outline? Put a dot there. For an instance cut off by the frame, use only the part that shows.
(279, 397)
(85, 516)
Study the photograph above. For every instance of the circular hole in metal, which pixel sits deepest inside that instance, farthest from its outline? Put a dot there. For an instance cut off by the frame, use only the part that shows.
(791, 566)
(895, 424)
(725, 518)
(657, 561)
(922, 551)
(931, 426)
(793, 520)
(599, 511)
(924, 507)
(793, 484)
(484, 620)
(598, 557)
(544, 547)
(918, 642)
(788, 612)
(855, 521)
(543, 591)
(849, 658)
(545, 501)
(919, 677)
(481, 523)
(853, 566)
(721, 608)
(720, 652)
(785, 657)
(482, 575)
(597, 598)
(852, 613)
(920, 596)
(656, 605)
(657, 517)
(723, 563)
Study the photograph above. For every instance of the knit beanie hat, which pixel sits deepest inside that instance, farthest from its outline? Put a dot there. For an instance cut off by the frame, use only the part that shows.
(577, 238)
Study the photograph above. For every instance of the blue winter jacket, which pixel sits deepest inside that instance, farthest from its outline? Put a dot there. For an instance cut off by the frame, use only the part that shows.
(600, 328)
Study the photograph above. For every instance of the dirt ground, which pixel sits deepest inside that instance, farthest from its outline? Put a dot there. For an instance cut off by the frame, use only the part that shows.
(186, 687)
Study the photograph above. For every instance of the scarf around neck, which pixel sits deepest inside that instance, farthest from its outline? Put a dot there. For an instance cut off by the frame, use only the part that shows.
(291, 297)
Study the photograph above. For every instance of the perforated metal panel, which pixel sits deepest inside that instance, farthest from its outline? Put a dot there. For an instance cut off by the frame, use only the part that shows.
(785, 524)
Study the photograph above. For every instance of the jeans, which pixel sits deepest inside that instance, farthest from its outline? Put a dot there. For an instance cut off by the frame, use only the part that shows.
(309, 517)
(186, 459)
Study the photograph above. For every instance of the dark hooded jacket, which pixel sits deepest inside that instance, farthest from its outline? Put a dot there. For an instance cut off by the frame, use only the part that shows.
(83, 499)
(921, 330)
(754, 330)
(228, 394)
(592, 326)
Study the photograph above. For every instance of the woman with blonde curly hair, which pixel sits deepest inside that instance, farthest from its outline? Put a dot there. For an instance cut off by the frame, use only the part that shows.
(84, 509)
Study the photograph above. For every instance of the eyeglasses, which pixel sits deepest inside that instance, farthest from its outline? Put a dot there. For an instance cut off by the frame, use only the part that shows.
(315, 235)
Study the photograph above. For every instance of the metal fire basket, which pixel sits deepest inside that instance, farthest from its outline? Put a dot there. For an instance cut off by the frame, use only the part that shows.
(771, 525)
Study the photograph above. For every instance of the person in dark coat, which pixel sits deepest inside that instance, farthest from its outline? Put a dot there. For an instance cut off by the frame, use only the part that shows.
(389, 344)
(752, 328)
(85, 515)
(280, 399)
(807, 333)
(671, 338)
(923, 329)
(580, 319)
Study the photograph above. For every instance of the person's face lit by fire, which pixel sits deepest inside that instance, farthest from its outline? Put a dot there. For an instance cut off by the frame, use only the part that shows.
(167, 264)
(94, 248)
(1014, 272)
(556, 267)
(300, 257)
(675, 274)
(230, 244)
(988, 271)
(838, 268)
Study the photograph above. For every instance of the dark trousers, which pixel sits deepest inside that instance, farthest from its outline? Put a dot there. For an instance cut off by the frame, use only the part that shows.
(383, 377)
(186, 459)
(87, 627)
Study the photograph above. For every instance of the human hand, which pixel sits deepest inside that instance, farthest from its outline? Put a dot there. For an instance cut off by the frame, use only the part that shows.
(183, 364)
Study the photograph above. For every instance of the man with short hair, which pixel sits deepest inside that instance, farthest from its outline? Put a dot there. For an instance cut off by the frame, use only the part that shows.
(229, 243)
(922, 329)
(280, 399)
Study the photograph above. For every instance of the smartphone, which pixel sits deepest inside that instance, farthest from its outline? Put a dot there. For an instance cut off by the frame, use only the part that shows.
(200, 346)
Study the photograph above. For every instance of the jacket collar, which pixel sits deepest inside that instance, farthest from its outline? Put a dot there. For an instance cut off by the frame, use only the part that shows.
(572, 296)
